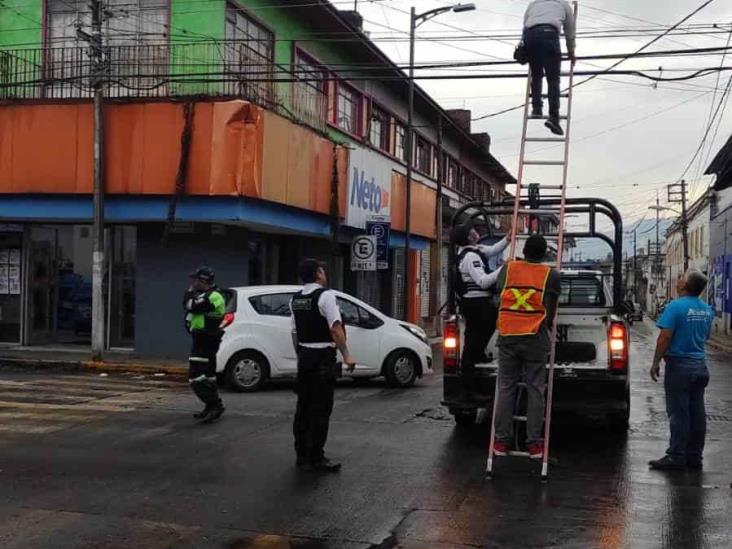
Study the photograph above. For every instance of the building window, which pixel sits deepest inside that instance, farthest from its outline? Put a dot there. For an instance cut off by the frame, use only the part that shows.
(136, 34)
(400, 142)
(423, 156)
(348, 109)
(248, 54)
(379, 131)
(311, 90)
(452, 174)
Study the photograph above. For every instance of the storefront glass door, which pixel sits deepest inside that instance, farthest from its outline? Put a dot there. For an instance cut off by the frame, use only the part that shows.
(59, 283)
(10, 277)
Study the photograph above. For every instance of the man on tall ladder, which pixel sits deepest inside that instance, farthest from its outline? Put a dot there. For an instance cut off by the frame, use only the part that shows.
(528, 303)
(543, 22)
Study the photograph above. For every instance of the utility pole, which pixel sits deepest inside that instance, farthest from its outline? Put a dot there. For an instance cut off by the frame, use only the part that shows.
(98, 75)
(437, 257)
(677, 194)
(635, 264)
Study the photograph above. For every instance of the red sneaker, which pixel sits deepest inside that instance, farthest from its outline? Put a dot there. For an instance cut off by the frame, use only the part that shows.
(536, 450)
(501, 448)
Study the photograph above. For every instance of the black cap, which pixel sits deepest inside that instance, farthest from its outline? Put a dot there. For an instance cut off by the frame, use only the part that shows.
(204, 273)
(461, 234)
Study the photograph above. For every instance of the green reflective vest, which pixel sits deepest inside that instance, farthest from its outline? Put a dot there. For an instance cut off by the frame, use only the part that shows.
(206, 315)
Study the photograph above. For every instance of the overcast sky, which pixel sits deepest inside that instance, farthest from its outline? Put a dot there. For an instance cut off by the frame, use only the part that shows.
(633, 158)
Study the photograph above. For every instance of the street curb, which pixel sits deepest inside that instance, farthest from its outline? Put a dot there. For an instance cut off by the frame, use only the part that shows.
(718, 346)
(90, 365)
(136, 368)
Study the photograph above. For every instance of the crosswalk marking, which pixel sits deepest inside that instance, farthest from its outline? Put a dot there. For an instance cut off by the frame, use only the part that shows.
(47, 404)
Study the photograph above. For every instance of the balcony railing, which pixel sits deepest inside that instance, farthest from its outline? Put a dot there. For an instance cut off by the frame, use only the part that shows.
(223, 69)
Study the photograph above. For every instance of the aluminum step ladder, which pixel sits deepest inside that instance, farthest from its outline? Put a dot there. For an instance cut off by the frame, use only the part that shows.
(532, 192)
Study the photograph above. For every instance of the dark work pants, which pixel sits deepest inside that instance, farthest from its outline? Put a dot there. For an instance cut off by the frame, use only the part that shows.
(202, 368)
(480, 315)
(315, 387)
(545, 59)
(685, 381)
(514, 361)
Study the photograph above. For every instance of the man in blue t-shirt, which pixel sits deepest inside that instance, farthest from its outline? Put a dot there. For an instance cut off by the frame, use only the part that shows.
(685, 327)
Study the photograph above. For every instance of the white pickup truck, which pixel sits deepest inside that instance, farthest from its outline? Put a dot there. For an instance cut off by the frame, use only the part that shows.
(592, 354)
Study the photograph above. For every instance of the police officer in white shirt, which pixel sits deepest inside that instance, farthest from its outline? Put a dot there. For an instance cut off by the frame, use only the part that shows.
(543, 22)
(474, 286)
(317, 331)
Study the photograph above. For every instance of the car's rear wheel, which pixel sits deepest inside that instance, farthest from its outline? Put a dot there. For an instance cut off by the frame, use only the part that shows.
(401, 368)
(247, 371)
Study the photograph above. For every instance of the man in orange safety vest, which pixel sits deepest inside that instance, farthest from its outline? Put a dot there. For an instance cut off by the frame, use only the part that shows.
(528, 302)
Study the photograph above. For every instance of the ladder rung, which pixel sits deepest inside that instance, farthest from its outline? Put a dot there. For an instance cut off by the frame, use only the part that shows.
(520, 418)
(515, 453)
(548, 187)
(543, 162)
(546, 95)
(521, 384)
(547, 117)
(545, 139)
(539, 212)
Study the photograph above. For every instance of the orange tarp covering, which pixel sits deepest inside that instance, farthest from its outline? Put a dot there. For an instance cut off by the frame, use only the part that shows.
(237, 149)
(424, 202)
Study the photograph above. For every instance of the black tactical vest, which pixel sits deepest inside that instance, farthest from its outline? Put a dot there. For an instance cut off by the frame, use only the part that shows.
(311, 326)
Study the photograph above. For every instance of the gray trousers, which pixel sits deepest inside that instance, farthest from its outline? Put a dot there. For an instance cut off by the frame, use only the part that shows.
(513, 361)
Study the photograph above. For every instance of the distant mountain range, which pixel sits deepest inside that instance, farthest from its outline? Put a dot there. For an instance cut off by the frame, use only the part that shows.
(597, 249)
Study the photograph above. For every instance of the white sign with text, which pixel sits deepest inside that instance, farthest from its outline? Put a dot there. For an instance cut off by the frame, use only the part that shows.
(363, 253)
(369, 187)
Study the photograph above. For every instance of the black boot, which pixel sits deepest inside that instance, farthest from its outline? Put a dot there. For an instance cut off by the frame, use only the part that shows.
(214, 413)
(203, 413)
(325, 465)
(667, 463)
(553, 125)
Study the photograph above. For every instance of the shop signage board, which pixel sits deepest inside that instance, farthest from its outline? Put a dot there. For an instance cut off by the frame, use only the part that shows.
(363, 253)
(380, 229)
(369, 187)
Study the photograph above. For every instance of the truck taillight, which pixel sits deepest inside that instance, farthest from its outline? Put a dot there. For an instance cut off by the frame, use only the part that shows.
(618, 343)
(450, 347)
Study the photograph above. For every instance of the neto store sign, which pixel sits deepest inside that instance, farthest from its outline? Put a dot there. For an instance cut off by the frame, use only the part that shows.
(369, 188)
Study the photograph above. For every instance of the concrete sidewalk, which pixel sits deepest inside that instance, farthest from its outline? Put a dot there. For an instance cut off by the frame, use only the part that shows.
(721, 342)
(65, 359)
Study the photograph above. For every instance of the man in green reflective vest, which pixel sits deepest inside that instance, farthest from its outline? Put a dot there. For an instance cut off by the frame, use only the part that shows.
(205, 306)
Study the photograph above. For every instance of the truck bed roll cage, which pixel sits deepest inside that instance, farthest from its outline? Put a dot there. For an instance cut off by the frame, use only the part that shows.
(483, 212)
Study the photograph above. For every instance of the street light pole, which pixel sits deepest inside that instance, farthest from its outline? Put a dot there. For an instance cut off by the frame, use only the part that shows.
(408, 152)
(415, 21)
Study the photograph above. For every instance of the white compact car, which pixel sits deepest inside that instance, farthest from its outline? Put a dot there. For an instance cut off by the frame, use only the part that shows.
(257, 344)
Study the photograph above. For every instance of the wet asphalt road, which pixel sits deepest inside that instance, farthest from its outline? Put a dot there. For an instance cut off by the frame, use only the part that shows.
(116, 462)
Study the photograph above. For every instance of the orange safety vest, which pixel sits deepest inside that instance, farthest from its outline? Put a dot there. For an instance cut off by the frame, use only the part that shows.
(522, 310)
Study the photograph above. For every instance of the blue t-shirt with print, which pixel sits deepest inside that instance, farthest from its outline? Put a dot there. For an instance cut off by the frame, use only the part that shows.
(690, 319)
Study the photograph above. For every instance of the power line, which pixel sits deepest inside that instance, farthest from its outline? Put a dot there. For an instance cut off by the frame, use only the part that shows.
(640, 50)
(708, 129)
